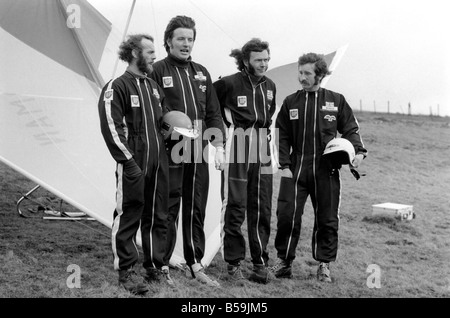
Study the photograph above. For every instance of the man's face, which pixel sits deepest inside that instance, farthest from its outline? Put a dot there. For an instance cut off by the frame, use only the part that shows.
(181, 43)
(307, 77)
(258, 63)
(146, 57)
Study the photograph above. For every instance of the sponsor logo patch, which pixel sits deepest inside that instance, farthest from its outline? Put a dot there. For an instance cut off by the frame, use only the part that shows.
(134, 101)
(293, 114)
(200, 76)
(330, 118)
(108, 95)
(329, 106)
(242, 101)
(156, 93)
(167, 81)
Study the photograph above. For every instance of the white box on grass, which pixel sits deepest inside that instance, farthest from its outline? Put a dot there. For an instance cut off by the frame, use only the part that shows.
(402, 211)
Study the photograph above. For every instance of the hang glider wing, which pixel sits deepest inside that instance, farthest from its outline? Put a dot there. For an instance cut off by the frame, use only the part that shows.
(48, 96)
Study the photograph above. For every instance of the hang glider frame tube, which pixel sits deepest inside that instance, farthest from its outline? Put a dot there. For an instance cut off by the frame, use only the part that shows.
(62, 215)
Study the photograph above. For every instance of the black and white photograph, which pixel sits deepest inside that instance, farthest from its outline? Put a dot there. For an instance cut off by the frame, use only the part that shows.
(228, 156)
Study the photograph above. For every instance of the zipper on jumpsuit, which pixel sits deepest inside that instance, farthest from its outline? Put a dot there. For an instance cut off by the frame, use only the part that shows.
(301, 162)
(254, 87)
(148, 149)
(195, 165)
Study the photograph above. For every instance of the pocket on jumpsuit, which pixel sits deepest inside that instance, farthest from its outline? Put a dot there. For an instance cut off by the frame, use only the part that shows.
(133, 183)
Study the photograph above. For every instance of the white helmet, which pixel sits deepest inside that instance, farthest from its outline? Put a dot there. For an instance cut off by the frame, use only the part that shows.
(340, 151)
(179, 122)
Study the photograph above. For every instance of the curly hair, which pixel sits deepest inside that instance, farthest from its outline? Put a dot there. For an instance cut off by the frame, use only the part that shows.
(180, 21)
(241, 55)
(320, 65)
(133, 42)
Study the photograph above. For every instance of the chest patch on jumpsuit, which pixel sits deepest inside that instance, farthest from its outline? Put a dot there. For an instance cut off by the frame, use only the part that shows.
(293, 114)
(156, 93)
(329, 106)
(167, 81)
(242, 101)
(108, 95)
(134, 101)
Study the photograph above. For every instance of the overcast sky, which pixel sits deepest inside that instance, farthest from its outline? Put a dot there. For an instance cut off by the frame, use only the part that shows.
(398, 50)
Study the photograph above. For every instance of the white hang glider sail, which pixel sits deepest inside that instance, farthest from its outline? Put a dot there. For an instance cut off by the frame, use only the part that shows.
(55, 58)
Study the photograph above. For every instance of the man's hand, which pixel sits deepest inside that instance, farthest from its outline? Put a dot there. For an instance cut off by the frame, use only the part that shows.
(286, 173)
(357, 161)
(131, 168)
(219, 158)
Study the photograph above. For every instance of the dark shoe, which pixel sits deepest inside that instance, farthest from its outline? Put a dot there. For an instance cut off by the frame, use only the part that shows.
(131, 281)
(235, 274)
(260, 274)
(152, 275)
(323, 272)
(282, 269)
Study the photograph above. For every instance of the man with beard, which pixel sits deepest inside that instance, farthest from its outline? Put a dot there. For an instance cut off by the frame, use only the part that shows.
(308, 120)
(188, 88)
(130, 109)
(247, 100)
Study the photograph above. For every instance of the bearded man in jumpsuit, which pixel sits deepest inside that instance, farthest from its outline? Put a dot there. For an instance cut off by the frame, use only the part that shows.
(130, 109)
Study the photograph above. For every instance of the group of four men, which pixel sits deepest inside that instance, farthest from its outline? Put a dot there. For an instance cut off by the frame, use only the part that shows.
(152, 186)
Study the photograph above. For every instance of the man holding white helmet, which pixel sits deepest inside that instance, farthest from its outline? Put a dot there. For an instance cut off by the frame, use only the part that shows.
(308, 120)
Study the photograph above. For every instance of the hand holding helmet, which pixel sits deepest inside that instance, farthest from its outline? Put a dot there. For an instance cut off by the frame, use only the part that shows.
(357, 161)
(340, 151)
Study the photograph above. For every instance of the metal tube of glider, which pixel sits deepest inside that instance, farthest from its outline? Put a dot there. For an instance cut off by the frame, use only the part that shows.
(124, 35)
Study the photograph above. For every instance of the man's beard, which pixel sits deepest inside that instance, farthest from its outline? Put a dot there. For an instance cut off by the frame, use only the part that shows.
(251, 69)
(142, 65)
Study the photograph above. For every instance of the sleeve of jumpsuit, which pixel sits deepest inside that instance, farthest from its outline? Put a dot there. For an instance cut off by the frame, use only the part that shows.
(282, 125)
(111, 106)
(221, 92)
(348, 126)
(213, 116)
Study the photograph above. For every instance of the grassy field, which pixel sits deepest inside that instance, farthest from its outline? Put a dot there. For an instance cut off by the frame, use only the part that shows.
(408, 163)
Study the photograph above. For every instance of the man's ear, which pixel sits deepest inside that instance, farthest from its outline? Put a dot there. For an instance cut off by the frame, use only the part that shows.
(135, 53)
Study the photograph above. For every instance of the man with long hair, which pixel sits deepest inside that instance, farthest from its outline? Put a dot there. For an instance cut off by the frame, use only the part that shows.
(247, 100)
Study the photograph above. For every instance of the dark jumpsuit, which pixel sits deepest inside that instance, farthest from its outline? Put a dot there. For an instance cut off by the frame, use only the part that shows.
(130, 110)
(247, 109)
(307, 121)
(188, 88)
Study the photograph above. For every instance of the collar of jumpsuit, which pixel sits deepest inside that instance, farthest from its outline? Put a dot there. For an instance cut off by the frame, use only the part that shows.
(178, 62)
(255, 80)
